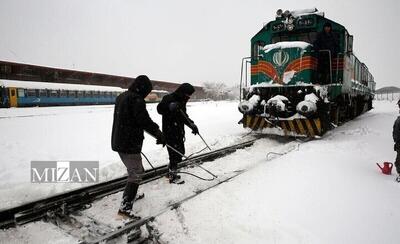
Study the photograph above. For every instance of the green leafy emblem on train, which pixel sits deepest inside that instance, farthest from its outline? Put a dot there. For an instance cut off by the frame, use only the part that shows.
(280, 58)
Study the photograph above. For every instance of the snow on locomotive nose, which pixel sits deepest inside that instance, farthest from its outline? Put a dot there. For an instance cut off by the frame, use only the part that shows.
(248, 106)
(308, 106)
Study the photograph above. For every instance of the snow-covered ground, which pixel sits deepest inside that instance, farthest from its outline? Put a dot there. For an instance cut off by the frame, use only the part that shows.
(84, 133)
(327, 190)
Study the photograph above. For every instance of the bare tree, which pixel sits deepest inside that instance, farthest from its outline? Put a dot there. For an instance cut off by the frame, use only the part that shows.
(219, 91)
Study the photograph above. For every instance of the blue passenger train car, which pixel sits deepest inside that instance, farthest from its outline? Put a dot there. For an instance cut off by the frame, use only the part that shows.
(27, 94)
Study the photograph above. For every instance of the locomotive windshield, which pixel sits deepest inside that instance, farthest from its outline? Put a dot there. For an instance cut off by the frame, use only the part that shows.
(308, 37)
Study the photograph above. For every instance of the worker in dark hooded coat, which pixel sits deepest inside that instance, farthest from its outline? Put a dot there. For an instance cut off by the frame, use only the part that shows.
(396, 139)
(327, 47)
(131, 119)
(174, 117)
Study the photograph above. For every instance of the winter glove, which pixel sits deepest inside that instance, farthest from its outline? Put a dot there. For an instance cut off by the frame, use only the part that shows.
(160, 138)
(174, 106)
(194, 128)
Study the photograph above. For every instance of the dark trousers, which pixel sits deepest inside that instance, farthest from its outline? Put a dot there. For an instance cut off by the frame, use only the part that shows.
(134, 166)
(397, 162)
(175, 158)
(324, 68)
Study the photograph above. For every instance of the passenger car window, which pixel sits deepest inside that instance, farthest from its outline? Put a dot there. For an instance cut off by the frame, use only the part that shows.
(21, 93)
(31, 93)
(43, 93)
(54, 93)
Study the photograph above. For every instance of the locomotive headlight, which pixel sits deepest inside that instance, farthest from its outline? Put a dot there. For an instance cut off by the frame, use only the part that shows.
(245, 107)
(306, 108)
(290, 27)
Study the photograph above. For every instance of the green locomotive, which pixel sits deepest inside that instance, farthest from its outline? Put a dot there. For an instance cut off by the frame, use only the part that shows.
(304, 76)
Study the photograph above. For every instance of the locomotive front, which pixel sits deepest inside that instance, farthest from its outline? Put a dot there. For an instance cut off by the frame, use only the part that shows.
(283, 91)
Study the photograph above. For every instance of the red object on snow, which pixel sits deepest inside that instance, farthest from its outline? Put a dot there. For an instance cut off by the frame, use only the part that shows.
(387, 168)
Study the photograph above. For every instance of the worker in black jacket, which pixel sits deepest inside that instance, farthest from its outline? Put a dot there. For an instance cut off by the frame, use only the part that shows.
(130, 120)
(396, 139)
(173, 110)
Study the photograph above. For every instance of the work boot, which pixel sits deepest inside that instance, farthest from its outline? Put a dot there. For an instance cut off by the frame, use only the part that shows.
(174, 178)
(125, 210)
(173, 174)
(139, 196)
(126, 207)
(128, 198)
(125, 213)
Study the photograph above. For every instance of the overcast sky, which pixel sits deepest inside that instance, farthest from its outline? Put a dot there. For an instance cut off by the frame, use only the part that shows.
(179, 40)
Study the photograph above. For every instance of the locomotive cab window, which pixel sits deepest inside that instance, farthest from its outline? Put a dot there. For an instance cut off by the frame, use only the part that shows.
(276, 39)
(309, 37)
(258, 46)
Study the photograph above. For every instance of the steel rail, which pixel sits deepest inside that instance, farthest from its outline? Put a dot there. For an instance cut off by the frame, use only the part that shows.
(73, 200)
(137, 224)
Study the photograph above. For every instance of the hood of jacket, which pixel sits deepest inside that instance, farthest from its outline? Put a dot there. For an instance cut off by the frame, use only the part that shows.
(141, 85)
(184, 91)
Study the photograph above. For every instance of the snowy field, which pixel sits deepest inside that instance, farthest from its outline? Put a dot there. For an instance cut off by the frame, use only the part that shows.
(327, 190)
(84, 133)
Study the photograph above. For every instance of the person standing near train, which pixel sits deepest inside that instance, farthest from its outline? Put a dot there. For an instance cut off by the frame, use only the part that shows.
(326, 45)
(396, 139)
(174, 117)
(131, 119)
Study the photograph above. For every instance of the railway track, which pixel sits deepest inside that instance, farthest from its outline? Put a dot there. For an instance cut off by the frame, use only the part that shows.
(131, 229)
(68, 211)
(66, 203)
